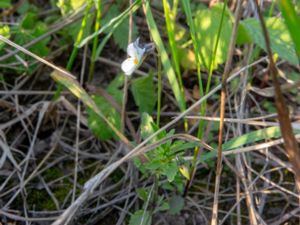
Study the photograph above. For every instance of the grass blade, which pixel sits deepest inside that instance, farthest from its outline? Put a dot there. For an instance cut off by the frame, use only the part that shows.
(292, 22)
(164, 57)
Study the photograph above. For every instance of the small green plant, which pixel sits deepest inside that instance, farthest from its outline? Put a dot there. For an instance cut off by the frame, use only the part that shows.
(164, 162)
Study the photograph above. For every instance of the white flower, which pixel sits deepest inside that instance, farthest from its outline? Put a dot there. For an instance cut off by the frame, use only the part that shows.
(135, 53)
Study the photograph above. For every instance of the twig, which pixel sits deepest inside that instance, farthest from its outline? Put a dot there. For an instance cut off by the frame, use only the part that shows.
(227, 69)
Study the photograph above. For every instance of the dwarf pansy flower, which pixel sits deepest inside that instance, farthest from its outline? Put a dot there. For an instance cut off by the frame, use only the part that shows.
(136, 54)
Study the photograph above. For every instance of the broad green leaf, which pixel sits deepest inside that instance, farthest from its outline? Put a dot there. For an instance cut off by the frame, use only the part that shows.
(292, 21)
(4, 31)
(249, 138)
(281, 42)
(164, 57)
(207, 25)
(140, 217)
(176, 203)
(242, 36)
(97, 125)
(80, 93)
(187, 58)
(119, 33)
(5, 4)
(144, 93)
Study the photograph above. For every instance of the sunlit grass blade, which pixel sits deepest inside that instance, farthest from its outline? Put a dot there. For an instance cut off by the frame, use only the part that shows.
(170, 25)
(292, 21)
(164, 57)
(117, 19)
(188, 13)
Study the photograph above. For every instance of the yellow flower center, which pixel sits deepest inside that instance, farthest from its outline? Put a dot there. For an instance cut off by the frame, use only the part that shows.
(136, 61)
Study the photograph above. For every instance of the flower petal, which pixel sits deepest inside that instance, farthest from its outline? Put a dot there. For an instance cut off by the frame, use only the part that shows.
(131, 50)
(128, 66)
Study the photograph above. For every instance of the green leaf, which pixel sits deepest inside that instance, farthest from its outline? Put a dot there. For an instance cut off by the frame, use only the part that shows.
(292, 21)
(164, 57)
(242, 36)
(29, 21)
(249, 138)
(170, 170)
(5, 4)
(4, 31)
(163, 207)
(281, 42)
(142, 194)
(176, 203)
(254, 136)
(144, 93)
(97, 125)
(207, 26)
(140, 217)
(153, 165)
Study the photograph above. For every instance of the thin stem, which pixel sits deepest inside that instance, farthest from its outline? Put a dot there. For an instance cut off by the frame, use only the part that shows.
(95, 42)
(159, 89)
(125, 89)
